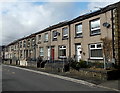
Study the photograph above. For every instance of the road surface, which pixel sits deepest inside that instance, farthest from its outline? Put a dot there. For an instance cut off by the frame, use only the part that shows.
(14, 79)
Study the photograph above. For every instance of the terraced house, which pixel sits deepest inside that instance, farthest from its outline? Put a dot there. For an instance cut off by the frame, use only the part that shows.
(91, 37)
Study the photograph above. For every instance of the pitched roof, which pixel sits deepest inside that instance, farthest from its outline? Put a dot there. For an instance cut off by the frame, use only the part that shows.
(80, 18)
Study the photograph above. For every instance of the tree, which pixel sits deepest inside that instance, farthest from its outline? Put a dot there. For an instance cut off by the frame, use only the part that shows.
(107, 50)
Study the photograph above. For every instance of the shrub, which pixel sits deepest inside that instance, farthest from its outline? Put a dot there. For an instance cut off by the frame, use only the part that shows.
(78, 65)
(96, 64)
(39, 59)
(73, 65)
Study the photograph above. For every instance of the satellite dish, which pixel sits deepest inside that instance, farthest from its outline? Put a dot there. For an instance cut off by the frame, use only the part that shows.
(107, 25)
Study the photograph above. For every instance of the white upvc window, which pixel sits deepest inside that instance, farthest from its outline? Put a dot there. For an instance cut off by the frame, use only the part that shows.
(96, 51)
(65, 32)
(41, 51)
(62, 52)
(78, 30)
(46, 37)
(95, 27)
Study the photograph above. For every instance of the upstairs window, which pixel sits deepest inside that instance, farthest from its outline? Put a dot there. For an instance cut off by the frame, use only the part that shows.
(15, 47)
(39, 39)
(12, 48)
(95, 27)
(28, 42)
(21, 44)
(96, 51)
(65, 32)
(24, 44)
(78, 30)
(55, 35)
(46, 37)
(33, 41)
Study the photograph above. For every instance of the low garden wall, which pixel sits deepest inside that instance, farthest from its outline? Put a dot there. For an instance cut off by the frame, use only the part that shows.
(54, 67)
(32, 63)
(98, 74)
(23, 63)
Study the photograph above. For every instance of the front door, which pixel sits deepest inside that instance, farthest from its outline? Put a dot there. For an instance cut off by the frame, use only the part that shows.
(26, 53)
(78, 52)
(48, 53)
(52, 53)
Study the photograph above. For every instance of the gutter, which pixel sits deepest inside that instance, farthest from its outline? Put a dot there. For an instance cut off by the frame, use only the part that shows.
(69, 41)
(113, 35)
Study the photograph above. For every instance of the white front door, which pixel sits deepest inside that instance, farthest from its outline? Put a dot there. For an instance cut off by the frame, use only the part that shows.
(78, 52)
(48, 53)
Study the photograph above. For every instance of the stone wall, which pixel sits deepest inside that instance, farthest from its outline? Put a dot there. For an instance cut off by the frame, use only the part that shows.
(23, 63)
(118, 9)
(101, 75)
(54, 67)
(32, 63)
(116, 23)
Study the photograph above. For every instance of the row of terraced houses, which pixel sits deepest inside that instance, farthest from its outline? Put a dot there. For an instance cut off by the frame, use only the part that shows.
(82, 38)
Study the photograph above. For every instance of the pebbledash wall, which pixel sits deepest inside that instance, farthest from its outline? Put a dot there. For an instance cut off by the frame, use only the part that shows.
(79, 38)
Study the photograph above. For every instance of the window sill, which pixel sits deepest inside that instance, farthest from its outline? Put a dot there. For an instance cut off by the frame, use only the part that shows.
(62, 57)
(65, 38)
(45, 41)
(54, 40)
(95, 34)
(39, 42)
(78, 37)
(97, 58)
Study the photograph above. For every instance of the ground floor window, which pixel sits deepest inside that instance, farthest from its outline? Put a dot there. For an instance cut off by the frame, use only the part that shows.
(96, 51)
(62, 51)
(20, 53)
(41, 51)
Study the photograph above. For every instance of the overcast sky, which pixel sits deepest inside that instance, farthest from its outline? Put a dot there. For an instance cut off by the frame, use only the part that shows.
(19, 19)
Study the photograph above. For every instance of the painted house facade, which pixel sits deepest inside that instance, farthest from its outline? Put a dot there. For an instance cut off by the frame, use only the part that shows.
(83, 38)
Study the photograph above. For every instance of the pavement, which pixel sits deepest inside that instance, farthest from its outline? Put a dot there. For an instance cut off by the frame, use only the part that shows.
(0, 78)
(103, 86)
(113, 84)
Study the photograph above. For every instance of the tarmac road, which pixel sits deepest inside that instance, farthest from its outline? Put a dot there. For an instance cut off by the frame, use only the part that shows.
(15, 79)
